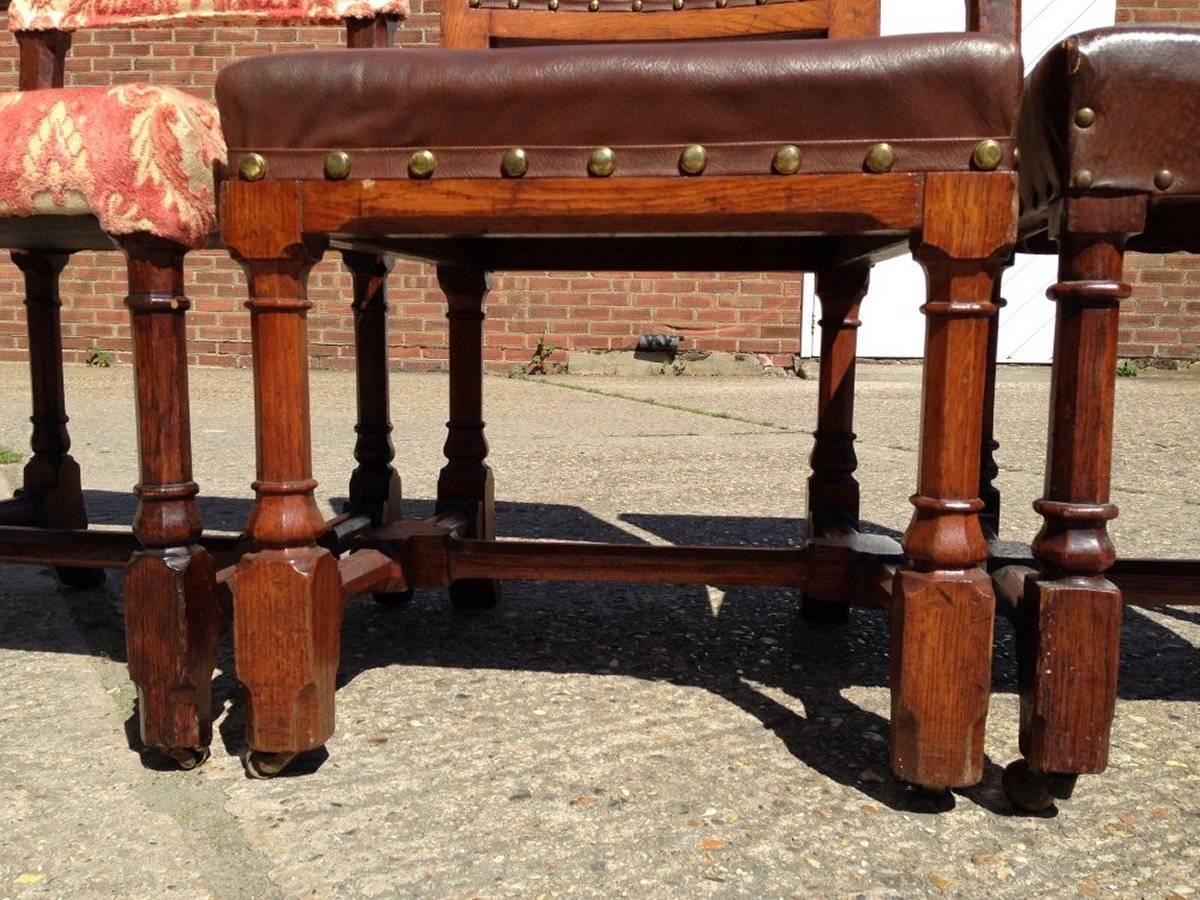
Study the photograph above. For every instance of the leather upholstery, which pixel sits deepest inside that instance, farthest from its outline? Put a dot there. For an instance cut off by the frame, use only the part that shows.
(1144, 87)
(933, 97)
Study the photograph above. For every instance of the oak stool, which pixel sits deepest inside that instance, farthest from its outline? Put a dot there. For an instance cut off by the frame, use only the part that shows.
(821, 154)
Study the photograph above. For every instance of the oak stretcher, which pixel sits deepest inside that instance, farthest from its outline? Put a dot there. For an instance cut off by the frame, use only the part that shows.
(803, 155)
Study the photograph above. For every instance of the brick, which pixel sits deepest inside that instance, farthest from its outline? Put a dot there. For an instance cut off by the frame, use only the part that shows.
(722, 311)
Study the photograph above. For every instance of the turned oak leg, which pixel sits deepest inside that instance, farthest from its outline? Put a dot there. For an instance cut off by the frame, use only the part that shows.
(374, 484)
(465, 484)
(172, 611)
(287, 594)
(1069, 619)
(943, 604)
(989, 518)
(51, 476)
(832, 490)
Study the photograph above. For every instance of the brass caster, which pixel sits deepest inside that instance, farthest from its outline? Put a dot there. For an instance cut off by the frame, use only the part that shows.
(187, 758)
(1031, 791)
(260, 764)
(393, 599)
(1063, 786)
(474, 594)
(820, 612)
(80, 579)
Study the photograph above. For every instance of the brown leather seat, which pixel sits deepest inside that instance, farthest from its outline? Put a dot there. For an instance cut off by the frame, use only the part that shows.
(932, 97)
(1117, 109)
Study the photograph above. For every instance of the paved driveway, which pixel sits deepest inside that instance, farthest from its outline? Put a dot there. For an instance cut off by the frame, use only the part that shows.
(596, 740)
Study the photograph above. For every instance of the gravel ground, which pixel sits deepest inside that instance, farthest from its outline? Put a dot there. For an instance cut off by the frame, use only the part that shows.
(595, 740)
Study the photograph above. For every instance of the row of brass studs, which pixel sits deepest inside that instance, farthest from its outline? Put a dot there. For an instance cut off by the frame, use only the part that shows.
(1084, 179)
(693, 160)
(594, 5)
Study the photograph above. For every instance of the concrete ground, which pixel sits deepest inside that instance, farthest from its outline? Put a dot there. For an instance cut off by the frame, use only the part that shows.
(596, 740)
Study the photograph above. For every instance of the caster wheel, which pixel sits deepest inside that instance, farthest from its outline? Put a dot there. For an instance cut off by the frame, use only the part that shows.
(187, 758)
(393, 599)
(80, 579)
(1034, 792)
(260, 764)
(819, 612)
(474, 594)
(930, 800)
(1062, 786)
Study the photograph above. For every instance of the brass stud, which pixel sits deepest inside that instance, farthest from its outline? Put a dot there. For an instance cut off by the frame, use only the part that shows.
(515, 163)
(1085, 116)
(636, 6)
(677, 4)
(337, 165)
(1084, 179)
(253, 167)
(1016, 157)
(552, 5)
(721, 4)
(1163, 179)
(988, 155)
(760, 2)
(474, 4)
(421, 164)
(514, 4)
(593, 5)
(693, 160)
(786, 160)
(880, 159)
(602, 162)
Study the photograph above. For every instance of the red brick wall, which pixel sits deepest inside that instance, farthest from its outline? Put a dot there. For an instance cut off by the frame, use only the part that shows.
(759, 314)
(1161, 321)
(755, 314)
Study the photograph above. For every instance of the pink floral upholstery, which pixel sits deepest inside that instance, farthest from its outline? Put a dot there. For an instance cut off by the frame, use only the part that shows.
(69, 15)
(138, 157)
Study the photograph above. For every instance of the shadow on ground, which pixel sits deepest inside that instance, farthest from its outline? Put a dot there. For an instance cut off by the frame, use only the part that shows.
(744, 645)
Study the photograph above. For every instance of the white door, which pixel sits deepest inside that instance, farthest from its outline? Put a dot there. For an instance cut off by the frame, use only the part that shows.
(892, 321)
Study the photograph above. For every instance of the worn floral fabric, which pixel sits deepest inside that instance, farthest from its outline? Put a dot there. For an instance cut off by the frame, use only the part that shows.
(138, 157)
(69, 15)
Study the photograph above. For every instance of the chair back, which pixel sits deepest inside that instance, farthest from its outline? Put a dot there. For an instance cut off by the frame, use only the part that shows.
(43, 27)
(498, 23)
(495, 23)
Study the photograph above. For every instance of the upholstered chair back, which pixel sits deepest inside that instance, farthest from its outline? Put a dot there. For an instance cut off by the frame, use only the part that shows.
(71, 15)
(43, 27)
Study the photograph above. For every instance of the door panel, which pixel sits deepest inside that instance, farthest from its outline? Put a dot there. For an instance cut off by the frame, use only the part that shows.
(892, 322)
